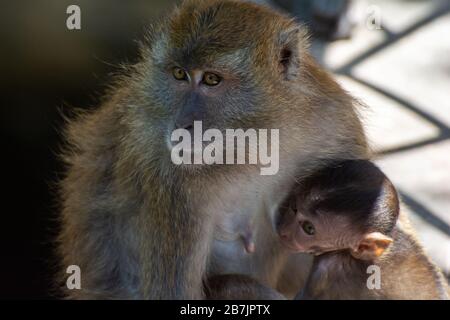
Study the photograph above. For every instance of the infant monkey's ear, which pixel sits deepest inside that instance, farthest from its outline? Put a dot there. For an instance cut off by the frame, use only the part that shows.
(371, 246)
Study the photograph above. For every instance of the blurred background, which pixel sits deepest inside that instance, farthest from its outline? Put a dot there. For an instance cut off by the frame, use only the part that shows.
(392, 55)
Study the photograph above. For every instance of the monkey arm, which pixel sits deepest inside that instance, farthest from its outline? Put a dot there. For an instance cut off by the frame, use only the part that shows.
(174, 262)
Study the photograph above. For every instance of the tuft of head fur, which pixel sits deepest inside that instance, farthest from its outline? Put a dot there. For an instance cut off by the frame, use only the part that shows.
(356, 189)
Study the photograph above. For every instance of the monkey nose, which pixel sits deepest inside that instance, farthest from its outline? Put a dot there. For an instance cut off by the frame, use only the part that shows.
(283, 228)
(286, 237)
(284, 234)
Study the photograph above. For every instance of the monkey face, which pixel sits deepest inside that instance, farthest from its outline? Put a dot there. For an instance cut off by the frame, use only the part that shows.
(227, 75)
(297, 232)
(340, 207)
(303, 229)
(212, 93)
(214, 96)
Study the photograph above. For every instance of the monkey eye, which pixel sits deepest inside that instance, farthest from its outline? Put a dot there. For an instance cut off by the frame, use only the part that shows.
(211, 79)
(179, 73)
(308, 227)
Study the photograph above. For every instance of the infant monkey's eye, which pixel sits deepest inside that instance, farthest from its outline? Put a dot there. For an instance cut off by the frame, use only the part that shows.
(179, 73)
(211, 79)
(308, 227)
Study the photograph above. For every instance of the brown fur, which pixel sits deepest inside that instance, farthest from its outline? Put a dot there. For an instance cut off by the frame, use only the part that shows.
(406, 270)
(141, 227)
(406, 274)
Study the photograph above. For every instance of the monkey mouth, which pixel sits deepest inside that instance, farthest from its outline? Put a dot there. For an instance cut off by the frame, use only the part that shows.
(320, 251)
(292, 245)
(315, 252)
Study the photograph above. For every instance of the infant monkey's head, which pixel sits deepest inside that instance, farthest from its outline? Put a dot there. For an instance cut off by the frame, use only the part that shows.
(351, 205)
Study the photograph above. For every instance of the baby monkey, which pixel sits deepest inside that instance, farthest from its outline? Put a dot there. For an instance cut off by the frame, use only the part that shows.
(347, 216)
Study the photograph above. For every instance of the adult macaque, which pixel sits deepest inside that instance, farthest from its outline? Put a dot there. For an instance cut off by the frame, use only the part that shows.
(140, 226)
(346, 215)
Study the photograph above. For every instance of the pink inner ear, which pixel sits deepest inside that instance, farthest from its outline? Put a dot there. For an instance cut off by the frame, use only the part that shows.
(375, 244)
(363, 247)
(372, 246)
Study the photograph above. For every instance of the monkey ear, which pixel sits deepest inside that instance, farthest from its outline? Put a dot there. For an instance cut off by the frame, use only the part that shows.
(289, 52)
(371, 246)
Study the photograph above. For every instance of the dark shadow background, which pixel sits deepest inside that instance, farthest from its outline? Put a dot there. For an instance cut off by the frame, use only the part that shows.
(46, 68)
